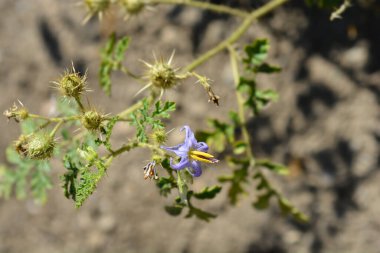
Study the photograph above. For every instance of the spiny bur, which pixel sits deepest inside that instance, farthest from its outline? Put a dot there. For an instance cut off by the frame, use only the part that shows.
(37, 146)
(92, 120)
(72, 84)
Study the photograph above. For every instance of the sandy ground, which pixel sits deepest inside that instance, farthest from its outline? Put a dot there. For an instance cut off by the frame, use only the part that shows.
(325, 127)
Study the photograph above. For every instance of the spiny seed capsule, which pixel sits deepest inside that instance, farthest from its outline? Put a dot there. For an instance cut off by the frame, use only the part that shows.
(159, 136)
(162, 75)
(92, 120)
(40, 146)
(72, 84)
(133, 7)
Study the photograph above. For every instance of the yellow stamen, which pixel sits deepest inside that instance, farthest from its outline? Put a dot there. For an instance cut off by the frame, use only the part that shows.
(202, 156)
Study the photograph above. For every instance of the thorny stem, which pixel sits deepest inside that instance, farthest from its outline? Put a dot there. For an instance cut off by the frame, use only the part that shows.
(204, 5)
(253, 16)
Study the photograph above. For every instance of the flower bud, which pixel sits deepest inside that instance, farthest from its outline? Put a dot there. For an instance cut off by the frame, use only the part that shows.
(132, 7)
(92, 120)
(39, 146)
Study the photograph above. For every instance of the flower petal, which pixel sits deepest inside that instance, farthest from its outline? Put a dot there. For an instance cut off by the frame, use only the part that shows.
(181, 165)
(179, 150)
(201, 146)
(195, 169)
(190, 140)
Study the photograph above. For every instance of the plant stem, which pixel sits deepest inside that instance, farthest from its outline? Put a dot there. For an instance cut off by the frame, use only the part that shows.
(130, 109)
(240, 102)
(81, 107)
(237, 34)
(55, 129)
(57, 119)
(204, 5)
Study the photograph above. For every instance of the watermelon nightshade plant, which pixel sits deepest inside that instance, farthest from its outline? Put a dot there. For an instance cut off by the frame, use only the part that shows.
(44, 138)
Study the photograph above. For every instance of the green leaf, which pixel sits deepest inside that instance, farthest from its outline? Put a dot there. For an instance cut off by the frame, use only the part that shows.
(144, 117)
(88, 182)
(105, 76)
(70, 178)
(13, 156)
(266, 68)
(40, 181)
(166, 184)
(163, 111)
(262, 201)
(221, 135)
(121, 47)
(288, 209)
(239, 147)
(112, 55)
(256, 53)
(174, 210)
(278, 168)
(236, 180)
(107, 131)
(256, 99)
(208, 193)
(200, 214)
(7, 180)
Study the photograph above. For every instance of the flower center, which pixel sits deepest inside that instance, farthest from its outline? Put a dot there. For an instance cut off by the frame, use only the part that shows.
(202, 156)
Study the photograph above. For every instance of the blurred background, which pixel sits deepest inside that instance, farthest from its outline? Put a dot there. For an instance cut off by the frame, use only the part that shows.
(325, 127)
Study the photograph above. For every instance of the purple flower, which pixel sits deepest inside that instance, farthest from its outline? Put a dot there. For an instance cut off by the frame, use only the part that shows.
(191, 153)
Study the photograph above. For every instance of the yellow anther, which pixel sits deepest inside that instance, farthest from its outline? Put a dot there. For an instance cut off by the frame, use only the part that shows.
(202, 156)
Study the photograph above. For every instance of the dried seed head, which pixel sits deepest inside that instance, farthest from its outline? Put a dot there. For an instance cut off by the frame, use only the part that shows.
(92, 120)
(39, 146)
(162, 75)
(16, 113)
(132, 7)
(21, 145)
(72, 84)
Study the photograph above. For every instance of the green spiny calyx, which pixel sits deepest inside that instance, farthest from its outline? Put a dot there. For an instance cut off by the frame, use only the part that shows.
(159, 136)
(39, 146)
(71, 84)
(92, 120)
